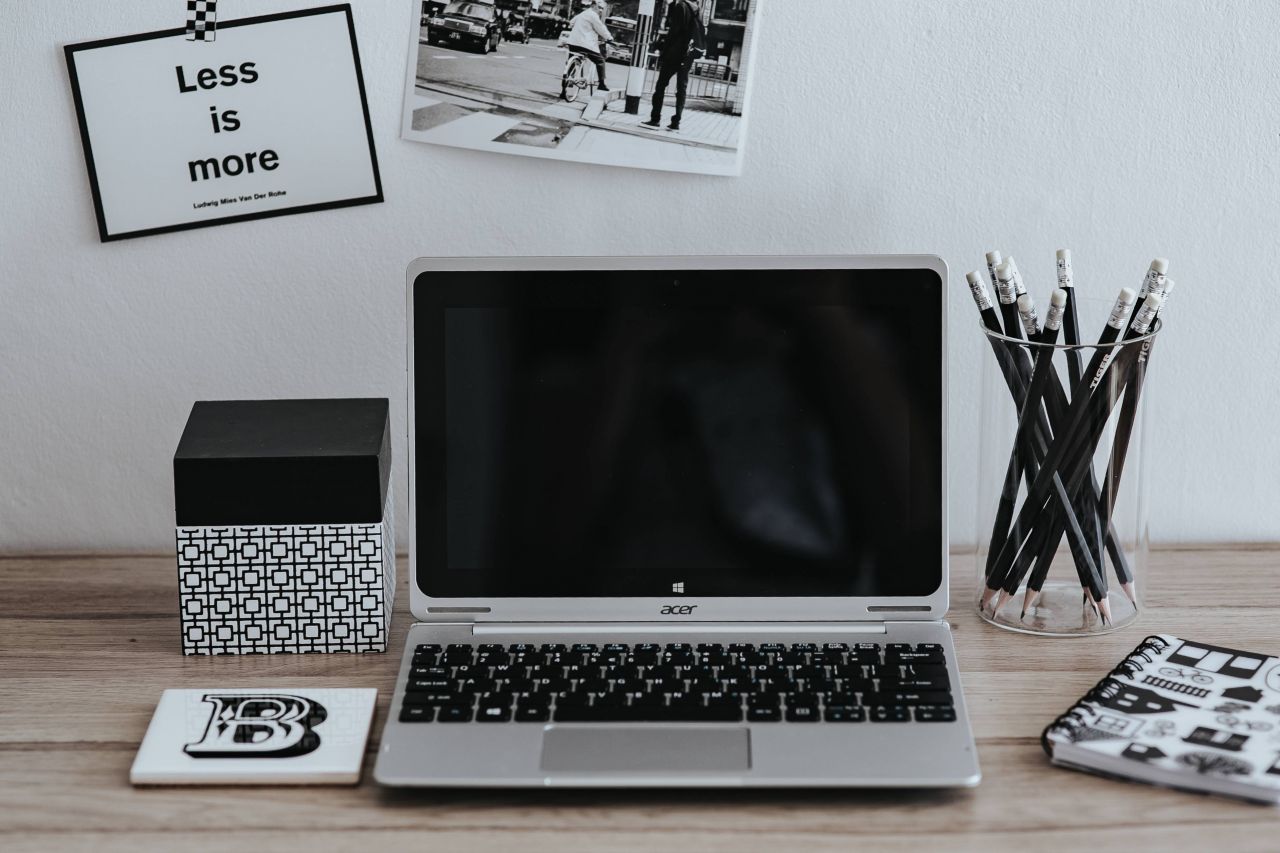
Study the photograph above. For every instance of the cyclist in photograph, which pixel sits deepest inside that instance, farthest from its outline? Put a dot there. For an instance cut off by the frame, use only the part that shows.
(586, 31)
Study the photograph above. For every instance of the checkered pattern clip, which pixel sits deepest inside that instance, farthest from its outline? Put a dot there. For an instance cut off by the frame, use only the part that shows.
(202, 20)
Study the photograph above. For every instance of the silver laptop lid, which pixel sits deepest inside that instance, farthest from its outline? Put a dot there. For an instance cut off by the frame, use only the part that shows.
(709, 439)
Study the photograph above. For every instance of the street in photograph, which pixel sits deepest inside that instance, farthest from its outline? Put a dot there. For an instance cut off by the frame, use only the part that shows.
(652, 84)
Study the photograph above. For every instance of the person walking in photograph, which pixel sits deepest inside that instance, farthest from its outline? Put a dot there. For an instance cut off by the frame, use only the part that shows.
(586, 32)
(682, 44)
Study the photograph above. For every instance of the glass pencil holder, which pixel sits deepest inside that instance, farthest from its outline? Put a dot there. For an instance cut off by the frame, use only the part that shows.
(1062, 497)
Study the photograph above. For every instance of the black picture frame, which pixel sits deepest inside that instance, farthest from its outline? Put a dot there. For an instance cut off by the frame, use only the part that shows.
(70, 52)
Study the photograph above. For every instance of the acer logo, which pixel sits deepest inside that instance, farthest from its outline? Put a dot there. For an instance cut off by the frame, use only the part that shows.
(678, 609)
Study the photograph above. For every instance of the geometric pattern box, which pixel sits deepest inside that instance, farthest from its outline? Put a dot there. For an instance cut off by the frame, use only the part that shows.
(285, 539)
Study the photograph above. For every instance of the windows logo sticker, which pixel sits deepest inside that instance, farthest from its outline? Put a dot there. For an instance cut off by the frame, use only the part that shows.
(678, 586)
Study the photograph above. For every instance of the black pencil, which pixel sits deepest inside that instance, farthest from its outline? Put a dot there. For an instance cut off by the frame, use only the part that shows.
(1104, 534)
(1128, 415)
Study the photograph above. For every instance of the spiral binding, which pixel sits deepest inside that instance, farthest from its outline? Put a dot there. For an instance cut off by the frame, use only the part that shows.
(1074, 720)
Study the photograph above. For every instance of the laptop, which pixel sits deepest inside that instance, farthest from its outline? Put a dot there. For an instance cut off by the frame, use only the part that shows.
(677, 522)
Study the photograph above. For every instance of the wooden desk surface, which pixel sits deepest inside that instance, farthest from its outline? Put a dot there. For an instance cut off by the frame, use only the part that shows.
(87, 644)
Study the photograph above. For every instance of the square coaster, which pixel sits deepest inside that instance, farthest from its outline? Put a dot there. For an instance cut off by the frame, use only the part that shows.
(256, 736)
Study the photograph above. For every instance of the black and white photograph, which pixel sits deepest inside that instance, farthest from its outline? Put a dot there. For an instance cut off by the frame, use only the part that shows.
(650, 84)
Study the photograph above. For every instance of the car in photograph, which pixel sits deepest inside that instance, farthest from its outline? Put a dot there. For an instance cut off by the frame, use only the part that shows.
(466, 23)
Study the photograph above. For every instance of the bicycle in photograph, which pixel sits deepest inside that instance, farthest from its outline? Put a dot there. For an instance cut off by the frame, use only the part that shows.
(579, 74)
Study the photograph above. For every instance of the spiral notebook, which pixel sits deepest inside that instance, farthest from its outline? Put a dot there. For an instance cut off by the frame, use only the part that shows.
(1180, 714)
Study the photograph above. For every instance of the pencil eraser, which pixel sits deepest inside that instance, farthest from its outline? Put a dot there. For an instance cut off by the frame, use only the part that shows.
(1003, 272)
(1013, 265)
(1127, 295)
(993, 257)
(1152, 302)
(1168, 287)
(973, 278)
(1064, 254)
(1025, 304)
(1160, 265)
(1058, 298)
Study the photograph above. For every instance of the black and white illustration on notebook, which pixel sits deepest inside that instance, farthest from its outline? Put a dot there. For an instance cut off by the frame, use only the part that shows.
(1131, 699)
(1215, 764)
(1272, 678)
(652, 84)
(1206, 736)
(1243, 693)
(1217, 659)
(1143, 752)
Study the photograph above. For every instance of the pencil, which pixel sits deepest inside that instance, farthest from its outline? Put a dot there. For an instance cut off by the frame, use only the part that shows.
(1104, 535)
(1124, 429)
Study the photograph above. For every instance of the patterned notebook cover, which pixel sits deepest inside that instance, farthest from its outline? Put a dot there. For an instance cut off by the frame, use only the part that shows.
(1182, 714)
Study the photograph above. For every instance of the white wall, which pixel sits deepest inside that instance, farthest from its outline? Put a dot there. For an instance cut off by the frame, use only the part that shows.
(1123, 130)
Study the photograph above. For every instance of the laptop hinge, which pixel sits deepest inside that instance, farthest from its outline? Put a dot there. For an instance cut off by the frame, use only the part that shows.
(755, 628)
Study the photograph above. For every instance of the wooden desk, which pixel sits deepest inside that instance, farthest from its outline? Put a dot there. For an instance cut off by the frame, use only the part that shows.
(87, 644)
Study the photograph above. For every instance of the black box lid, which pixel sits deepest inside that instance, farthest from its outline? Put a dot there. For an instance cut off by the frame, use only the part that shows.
(248, 462)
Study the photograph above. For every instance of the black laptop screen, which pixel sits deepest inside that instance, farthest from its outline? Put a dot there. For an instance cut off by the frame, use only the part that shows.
(628, 433)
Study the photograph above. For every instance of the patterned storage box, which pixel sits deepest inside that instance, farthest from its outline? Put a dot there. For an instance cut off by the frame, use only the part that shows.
(284, 526)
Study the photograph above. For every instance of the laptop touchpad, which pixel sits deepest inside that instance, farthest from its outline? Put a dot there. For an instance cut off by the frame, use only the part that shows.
(646, 749)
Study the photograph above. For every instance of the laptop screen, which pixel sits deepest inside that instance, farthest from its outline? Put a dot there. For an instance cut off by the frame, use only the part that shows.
(596, 433)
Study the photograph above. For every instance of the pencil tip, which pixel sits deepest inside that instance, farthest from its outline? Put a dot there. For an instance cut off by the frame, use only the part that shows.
(1105, 609)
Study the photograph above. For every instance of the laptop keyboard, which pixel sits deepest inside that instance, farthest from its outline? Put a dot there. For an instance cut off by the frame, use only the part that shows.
(678, 682)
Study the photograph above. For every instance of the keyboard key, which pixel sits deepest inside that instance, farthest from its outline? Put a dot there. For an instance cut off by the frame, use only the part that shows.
(890, 714)
(426, 649)
(905, 697)
(941, 683)
(802, 714)
(533, 713)
(584, 647)
(454, 714)
(554, 648)
(935, 714)
(430, 684)
(440, 697)
(492, 712)
(763, 714)
(844, 714)
(932, 658)
(417, 714)
(681, 712)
